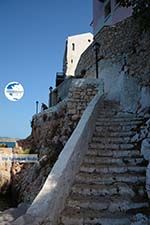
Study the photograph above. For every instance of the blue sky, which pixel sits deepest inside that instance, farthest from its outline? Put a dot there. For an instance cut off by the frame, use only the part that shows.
(32, 40)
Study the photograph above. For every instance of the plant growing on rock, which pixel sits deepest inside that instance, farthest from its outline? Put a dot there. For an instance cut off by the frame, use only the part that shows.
(26, 151)
(3, 146)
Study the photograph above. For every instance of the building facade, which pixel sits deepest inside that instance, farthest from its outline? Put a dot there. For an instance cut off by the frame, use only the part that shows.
(75, 46)
(108, 12)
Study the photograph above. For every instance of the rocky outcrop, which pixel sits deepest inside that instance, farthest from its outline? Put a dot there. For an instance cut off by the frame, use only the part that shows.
(140, 219)
(9, 215)
(5, 169)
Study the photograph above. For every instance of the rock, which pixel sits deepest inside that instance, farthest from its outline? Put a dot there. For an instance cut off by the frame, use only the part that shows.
(5, 169)
(144, 112)
(139, 136)
(148, 123)
(75, 117)
(145, 97)
(9, 215)
(27, 220)
(72, 111)
(136, 138)
(140, 219)
(43, 161)
(143, 133)
(145, 149)
(148, 180)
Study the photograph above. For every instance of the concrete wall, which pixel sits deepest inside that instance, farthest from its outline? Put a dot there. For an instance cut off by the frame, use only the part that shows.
(112, 79)
(145, 97)
(76, 45)
(61, 92)
(117, 14)
(119, 86)
(98, 15)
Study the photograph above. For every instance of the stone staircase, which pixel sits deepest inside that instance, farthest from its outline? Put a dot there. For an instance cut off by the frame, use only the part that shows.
(109, 188)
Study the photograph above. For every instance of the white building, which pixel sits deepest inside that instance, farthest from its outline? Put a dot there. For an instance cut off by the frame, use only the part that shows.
(75, 46)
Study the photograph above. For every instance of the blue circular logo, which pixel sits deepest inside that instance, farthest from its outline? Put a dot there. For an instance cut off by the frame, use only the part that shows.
(14, 91)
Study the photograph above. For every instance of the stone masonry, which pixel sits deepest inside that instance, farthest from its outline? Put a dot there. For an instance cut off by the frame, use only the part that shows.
(50, 131)
(119, 43)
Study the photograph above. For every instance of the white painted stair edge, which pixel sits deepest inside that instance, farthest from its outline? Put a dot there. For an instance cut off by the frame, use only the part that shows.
(51, 199)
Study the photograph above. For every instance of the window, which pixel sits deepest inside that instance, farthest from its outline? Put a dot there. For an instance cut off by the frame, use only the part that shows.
(107, 9)
(71, 60)
(73, 46)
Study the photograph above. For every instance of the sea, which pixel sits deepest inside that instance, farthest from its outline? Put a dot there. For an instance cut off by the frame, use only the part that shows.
(9, 144)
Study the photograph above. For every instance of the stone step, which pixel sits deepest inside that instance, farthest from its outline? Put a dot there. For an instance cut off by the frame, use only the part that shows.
(118, 188)
(120, 119)
(110, 204)
(107, 113)
(130, 178)
(114, 140)
(111, 146)
(104, 111)
(113, 153)
(79, 216)
(116, 134)
(126, 114)
(90, 168)
(107, 110)
(118, 123)
(114, 128)
(107, 103)
(109, 188)
(110, 160)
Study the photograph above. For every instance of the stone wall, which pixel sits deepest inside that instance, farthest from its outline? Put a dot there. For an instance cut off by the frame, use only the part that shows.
(61, 91)
(57, 123)
(50, 131)
(124, 52)
(119, 41)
